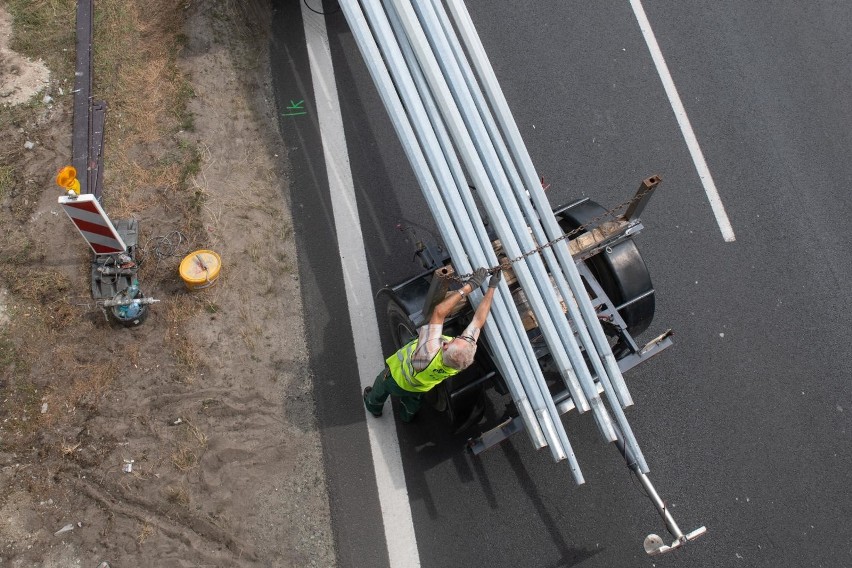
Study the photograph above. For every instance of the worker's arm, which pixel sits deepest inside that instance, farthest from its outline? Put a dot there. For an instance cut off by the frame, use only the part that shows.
(445, 308)
(484, 307)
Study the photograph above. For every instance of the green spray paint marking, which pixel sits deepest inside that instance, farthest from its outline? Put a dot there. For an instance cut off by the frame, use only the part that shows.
(298, 109)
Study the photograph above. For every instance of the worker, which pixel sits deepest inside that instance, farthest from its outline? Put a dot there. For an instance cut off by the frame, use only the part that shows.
(425, 362)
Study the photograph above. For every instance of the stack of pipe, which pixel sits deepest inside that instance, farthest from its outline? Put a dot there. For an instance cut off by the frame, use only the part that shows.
(450, 114)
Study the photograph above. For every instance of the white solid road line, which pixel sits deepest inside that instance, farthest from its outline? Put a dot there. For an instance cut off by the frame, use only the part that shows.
(390, 478)
(683, 120)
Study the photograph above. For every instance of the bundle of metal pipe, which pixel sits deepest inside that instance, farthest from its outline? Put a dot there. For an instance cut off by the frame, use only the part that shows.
(451, 121)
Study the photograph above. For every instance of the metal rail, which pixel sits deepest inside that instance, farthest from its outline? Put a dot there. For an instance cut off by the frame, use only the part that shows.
(80, 139)
(87, 136)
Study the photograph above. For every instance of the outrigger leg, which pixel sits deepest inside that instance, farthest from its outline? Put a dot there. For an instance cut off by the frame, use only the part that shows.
(654, 544)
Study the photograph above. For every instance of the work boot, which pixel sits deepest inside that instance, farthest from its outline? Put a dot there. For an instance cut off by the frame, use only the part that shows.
(367, 391)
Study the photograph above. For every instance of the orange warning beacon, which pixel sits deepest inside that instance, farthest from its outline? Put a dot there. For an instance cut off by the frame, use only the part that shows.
(67, 178)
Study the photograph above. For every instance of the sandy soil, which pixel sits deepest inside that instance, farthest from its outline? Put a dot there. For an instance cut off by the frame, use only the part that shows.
(226, 464)
(22, 78)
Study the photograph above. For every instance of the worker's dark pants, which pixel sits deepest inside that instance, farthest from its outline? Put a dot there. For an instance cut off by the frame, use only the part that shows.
(385, 386)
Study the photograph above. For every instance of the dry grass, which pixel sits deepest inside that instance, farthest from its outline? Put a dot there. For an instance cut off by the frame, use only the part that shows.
(255, 251)
(84, 382)
(178, 495)
(186, 352)
(46, 296)
(136, 47)
(8, 353)
(68, 448)
(146, 530)
(185, 459)
(7, 180)
(189, 446)
(21, 403)
(248, 329)
(196, 433)
(17, 249)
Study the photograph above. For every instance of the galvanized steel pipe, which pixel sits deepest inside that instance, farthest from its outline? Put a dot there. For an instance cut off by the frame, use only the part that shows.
(612, 380)
(575, 356)
(450, 183)
(367, 44)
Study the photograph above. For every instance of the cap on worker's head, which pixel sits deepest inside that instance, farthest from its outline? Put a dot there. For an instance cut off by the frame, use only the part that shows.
(459, 354)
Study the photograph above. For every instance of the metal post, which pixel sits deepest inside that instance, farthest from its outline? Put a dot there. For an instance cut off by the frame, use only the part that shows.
(82, 94)
(646, 190)
(535, 281)
(654, 544)
(551, 417)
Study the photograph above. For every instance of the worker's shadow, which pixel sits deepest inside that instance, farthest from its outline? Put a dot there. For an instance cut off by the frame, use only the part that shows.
(429, 442)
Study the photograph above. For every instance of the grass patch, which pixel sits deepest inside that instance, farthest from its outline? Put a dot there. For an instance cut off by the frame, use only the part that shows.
(136, 72)
(20, 408)
(44, 29)
(136, 48)
(187, 453)
(8, 353)
(186, 353)
(46, 293)
(185, 119)
(17, 252)
(7, 180)
(41, 286)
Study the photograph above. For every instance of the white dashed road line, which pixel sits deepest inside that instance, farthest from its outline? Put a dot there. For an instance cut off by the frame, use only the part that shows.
(685, 126)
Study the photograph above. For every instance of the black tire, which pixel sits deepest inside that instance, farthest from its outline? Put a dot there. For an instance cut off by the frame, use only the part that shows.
(401, 327)
(621, 273)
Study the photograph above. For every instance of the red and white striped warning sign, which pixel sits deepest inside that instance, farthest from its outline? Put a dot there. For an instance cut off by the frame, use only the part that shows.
(93, 223)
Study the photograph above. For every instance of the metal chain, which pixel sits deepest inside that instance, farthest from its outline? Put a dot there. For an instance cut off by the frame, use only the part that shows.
(506, 263)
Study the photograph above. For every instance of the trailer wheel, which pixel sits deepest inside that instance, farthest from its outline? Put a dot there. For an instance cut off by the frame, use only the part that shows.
(401, 327)
(622, 273)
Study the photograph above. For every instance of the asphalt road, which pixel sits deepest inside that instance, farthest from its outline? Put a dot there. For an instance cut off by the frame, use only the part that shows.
(746, 420)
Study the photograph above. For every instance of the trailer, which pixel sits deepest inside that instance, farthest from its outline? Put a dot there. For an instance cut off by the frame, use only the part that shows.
(612, 269)
(564, 321)
(620, 286)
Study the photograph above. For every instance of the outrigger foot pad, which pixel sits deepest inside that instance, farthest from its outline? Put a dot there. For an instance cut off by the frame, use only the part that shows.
(654, 545)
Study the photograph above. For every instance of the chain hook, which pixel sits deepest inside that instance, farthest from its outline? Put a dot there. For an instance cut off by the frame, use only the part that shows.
(506, 262)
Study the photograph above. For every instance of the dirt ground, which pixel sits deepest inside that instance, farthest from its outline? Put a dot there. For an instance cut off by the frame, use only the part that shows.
(208, 404)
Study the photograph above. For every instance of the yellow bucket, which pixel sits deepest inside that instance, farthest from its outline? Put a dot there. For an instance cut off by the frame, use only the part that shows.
(200, 269)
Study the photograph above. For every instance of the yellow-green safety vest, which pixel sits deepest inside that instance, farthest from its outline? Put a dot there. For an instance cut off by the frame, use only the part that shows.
(402, 369)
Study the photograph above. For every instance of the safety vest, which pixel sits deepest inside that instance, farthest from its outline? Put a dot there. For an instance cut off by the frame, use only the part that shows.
(402, 369)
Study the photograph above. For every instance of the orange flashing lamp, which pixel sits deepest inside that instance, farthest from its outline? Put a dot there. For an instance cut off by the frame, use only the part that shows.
(67, 178)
